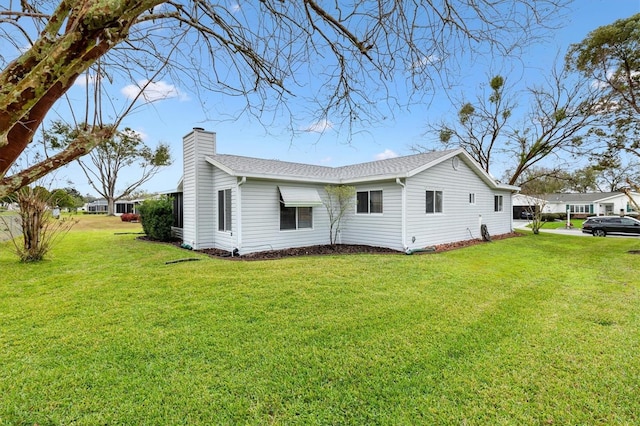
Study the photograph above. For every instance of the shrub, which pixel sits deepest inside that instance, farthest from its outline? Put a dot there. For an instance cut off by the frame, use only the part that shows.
(35, 222)
(130, 217)
(157, 217)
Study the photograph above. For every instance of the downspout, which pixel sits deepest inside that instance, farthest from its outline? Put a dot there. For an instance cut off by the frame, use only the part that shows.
(404, 212)
(239, 211)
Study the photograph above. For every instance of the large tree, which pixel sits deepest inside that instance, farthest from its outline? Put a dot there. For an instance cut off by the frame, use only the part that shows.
(610, 57)
(105, 163)
(481, 125)
(259, 50)
(556, 120)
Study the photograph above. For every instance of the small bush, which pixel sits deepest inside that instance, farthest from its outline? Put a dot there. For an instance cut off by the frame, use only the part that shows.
(130, 217)
(157, 218)
(552, 217)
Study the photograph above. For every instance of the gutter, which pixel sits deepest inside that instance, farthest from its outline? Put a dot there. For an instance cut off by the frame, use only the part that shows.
(239, 212)
(404, 212)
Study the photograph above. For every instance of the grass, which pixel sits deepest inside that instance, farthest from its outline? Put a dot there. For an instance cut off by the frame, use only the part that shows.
(577, 224)
(532, 330)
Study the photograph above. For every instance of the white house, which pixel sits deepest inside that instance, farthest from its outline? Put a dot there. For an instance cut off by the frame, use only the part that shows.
(582, 204)
(250, 204)
(597, 203)
(121, 206)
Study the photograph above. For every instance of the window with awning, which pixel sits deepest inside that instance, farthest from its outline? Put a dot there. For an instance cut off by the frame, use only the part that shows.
(296, 207)
(299, 197)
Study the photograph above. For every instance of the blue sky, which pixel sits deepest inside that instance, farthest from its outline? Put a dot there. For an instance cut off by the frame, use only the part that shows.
(169, 119)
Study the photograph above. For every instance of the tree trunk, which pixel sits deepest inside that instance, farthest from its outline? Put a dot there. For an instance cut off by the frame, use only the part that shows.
(32, 83)
(111, 206)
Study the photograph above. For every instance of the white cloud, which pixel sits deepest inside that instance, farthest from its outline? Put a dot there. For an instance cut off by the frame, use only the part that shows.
(387, 153)
(319, 126)
(142, 135)
(85, 79)
(234, 7)
(153, 91)
(425, 61)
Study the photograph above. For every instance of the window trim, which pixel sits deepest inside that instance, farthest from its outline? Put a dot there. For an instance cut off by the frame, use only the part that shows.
(579, 208)
(437, 204)
(472, 198)
(498, 203)
(369, 203)
(296, 216)
(225, 202)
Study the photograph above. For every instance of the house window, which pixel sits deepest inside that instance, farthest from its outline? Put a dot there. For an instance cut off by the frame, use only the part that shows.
(472, 198)
(177, 209)
(369, 202)
(295, 217)
(224, 210)
(434, 202)
(497, 203)
(579, 208)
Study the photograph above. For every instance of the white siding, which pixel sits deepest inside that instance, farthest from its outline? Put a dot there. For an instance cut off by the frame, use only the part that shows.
(459, 220)
(382, 230)
(224, 240)
(198, 202)
(261, 219)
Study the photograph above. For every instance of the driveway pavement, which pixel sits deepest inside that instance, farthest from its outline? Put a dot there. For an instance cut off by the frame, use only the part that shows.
(522, 224)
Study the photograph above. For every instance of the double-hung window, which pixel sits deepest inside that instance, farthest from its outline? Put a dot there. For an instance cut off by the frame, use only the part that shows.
(434, 202)
(224, 210)
(497, 203)
(369, 202)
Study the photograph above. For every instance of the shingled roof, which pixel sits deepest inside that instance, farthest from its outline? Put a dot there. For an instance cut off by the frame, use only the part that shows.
(391, 167)
(388, 169)
(576, 197)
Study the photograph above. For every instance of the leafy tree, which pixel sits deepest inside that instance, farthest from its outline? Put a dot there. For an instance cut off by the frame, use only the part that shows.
(610, 57)
(340, 198)
(68, 198)
(616, 174)
(105, 162)
(540, 181)
(257, 50)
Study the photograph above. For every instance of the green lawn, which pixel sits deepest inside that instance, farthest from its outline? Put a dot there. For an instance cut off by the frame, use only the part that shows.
(540, 329)
(577, 223)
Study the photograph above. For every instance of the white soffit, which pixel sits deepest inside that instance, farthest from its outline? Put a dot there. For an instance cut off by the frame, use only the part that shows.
(299, 196)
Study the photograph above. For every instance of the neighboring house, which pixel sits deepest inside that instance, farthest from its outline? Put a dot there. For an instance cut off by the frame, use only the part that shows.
(580, 204)
(526, 204)
(591, 204)
(250, 204)
(121, 206)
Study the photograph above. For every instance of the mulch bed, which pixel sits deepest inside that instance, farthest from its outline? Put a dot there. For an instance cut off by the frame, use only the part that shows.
(342, 249)
(335, 249)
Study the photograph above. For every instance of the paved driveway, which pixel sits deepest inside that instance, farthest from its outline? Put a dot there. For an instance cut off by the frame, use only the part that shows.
(522, 224)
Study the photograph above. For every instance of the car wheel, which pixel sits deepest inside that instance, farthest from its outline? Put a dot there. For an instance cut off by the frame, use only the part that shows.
(599, 233)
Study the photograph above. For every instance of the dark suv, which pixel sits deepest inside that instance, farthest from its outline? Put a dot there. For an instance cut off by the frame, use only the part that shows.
(600, 226)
